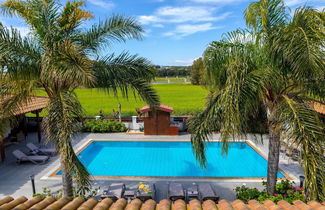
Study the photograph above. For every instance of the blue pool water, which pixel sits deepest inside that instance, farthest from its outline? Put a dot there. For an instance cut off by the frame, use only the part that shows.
(171, 159)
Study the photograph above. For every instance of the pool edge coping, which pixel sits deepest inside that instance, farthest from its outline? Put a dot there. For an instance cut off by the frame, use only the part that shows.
(51, 175)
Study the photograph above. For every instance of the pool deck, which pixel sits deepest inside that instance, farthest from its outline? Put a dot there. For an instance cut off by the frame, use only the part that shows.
(15, 179)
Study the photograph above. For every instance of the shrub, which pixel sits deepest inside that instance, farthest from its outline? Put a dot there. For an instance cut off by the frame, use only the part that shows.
(103, 126)
(245, 194)
(283, 191)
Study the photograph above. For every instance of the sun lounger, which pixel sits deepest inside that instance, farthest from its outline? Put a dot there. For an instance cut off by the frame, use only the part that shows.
(36, 159)
(129, 194)
(207, 192)
(146, 191)
(115, 191)
(176, 192)
(192, 193)
(36, 150)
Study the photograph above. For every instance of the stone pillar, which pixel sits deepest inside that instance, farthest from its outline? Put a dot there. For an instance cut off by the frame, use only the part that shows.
(39, 135)
(134, 122)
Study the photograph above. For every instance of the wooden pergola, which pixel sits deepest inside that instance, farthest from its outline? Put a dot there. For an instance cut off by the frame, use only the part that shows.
(34, 105)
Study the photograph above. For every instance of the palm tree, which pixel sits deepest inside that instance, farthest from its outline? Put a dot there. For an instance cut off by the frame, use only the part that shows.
(59, 56)
(279, 65)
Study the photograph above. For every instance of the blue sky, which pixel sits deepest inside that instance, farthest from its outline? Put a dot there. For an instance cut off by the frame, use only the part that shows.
(177, 31)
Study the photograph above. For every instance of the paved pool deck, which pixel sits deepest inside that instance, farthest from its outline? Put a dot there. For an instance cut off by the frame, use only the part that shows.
(15, 179)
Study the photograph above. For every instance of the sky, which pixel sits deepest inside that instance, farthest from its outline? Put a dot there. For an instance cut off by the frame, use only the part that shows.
(176, 31)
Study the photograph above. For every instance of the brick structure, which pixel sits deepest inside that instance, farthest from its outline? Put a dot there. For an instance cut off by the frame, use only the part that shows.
(51, 203)
(158, 122)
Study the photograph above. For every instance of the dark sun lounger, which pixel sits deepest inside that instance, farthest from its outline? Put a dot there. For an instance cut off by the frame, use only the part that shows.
(207, 192)
(114, 191)
(176, 192)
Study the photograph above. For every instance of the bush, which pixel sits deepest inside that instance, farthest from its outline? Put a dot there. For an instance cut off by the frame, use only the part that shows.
(283, 191)
(245, 194)
(103, 126)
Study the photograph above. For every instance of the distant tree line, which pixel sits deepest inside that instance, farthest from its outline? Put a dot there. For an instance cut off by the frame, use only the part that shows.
(173, 71)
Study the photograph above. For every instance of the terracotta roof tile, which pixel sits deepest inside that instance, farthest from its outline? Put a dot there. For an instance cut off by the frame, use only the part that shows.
(194, 205)
(6, 199)
(223, 204)
(58, 204)
(104, 204)
(316, 205)
(44, 203)
(255, 205)
(29, 203)
(179, 205)
(301, 205)
(34, 103)
(239, 205)
(318, 107)
(271, 205)
(79, 203)
(164, 205)
(211, 205)
(13, 203)
(161, 107)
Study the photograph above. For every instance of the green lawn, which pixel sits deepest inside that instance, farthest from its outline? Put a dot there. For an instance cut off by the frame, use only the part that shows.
(184, 98)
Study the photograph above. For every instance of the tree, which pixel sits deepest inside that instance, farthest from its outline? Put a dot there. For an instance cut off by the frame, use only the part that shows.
(59, 56)
(280, 64)
(197, 72)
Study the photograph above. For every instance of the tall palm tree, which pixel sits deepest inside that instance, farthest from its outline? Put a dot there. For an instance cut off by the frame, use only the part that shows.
(279, 65)
(59, 56)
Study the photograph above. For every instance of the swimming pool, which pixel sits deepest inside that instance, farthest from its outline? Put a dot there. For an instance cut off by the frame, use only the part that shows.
(171, 159)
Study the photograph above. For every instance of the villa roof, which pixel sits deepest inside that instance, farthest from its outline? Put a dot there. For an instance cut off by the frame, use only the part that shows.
(34, 103)
(318, 107)
(52, 203)
(161, 107)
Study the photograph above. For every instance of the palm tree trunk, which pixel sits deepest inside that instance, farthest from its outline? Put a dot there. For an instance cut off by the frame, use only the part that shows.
(273, 159)
(66, 180)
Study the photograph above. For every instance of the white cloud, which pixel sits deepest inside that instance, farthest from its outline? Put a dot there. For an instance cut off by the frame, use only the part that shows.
(147, 32)
(194, 14)
(158, 25)
(143, 19)
(188, 29)
(102, 3)
(320, 8)
(24, 31)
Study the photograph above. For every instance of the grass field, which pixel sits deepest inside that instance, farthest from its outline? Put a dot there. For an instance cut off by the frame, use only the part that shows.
(184, 98)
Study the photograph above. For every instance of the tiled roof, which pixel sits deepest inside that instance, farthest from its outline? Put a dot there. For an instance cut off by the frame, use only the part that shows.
(318, 107)
(50, 203)
(34, 103)
(161, 107)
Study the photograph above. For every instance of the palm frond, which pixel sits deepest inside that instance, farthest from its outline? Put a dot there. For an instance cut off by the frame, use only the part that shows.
(41, 15)
(115, 29)
(72, 16)
(60, 125)
(69, 67)
(203, 125)
(266, 15)
(126, 72)
(303, 127)
(232, 66)
(18, 56)
(301, 45)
